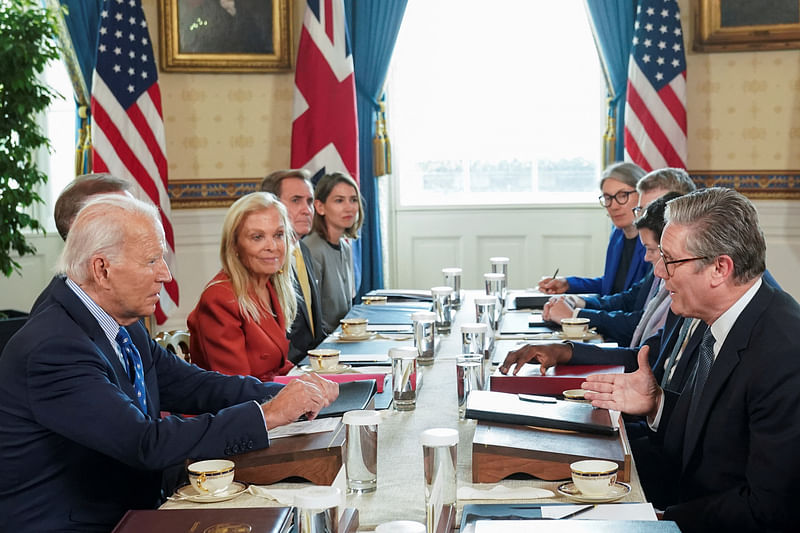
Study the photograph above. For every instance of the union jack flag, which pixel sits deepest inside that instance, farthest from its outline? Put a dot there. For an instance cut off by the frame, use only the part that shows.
(128, 131)
(655, 114)
(325, 127)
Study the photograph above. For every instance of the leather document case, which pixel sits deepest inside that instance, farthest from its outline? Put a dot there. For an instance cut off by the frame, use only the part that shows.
(258, 519)
(506, 408)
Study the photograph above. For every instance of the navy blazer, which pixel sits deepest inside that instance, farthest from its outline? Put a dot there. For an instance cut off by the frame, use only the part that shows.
(300, 337)
(602, 285)
(616, 315)
(76, 451)
(660, 346)
(738, 469)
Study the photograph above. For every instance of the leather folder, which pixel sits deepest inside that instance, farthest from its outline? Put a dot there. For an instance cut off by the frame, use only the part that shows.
(403, 295)
(353, 396)
(557, 380)
(258, 519)
(583, 526)
(507, 408)
(529, 301)
(390, 313)
(520, 323)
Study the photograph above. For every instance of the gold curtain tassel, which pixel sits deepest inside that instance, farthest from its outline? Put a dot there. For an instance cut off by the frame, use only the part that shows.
(610, 136)
(381, 147)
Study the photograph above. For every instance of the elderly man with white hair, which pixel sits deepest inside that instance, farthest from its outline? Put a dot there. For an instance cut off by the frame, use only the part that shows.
(82, 386)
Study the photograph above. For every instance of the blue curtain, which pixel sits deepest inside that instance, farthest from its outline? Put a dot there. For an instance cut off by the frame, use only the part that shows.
(79, 45)
(612, 22)
(373, 30)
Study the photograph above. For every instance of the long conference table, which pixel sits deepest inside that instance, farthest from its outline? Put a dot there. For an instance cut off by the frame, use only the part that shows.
(400, 492)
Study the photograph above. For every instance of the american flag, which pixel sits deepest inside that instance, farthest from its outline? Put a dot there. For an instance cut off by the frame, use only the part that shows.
(128, 131)
(325, 127)
(655, 114)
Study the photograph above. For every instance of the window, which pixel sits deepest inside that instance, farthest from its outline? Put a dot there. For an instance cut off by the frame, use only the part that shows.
(58, 126)
(496, 102)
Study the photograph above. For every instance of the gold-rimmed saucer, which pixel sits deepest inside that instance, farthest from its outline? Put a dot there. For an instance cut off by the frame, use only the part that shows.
(353, 338)
(339, 369)
(189, 493)
(616, 491)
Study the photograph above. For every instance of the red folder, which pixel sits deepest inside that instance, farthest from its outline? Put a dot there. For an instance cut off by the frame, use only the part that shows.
(558, 379)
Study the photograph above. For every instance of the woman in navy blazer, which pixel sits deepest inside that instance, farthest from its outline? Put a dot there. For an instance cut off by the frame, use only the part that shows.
(625, 264)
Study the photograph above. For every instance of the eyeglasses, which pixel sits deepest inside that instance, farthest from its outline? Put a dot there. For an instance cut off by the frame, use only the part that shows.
(621, 197)
(637, 211)
(667, 264)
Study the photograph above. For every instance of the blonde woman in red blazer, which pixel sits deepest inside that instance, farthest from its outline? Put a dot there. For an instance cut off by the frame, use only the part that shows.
(239, 325)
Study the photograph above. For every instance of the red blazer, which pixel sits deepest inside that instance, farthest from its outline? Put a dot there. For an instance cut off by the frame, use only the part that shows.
(222, 339)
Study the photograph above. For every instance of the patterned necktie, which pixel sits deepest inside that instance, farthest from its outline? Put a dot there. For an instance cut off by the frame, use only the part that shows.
(706, 359)
(135, 372)
(687, 324)
(305, 286)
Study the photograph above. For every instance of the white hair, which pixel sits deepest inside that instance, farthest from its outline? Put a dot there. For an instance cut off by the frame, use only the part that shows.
(100, 228)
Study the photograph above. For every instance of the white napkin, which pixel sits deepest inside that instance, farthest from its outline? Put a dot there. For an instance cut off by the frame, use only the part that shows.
(282, 496)
(502, 492)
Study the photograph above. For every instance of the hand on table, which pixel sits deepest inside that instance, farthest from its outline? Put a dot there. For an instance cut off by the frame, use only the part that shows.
(546, 355)
(553, 285)
(557, 309)
(306, 395)
(636, 393)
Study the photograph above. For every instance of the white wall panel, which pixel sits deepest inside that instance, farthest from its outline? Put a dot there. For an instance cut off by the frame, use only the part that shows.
(537, 239)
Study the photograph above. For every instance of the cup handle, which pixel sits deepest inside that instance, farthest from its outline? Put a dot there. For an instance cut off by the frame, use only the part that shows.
(200, 480)
(612, 480)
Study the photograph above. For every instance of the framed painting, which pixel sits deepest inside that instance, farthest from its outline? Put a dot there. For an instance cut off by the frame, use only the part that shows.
(736, 25)
(225, 35)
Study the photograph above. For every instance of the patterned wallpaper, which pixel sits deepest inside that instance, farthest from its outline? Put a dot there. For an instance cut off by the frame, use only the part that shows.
(225, 126)
(229, 129)
(743, 107)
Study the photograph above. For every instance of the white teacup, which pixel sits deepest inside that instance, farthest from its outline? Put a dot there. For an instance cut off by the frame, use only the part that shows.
(212, 476)
(594, 477)
(575, 328)
(323, 360)
(354, 327)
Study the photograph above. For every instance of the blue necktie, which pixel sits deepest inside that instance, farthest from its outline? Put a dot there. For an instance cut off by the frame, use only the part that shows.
(135, 372)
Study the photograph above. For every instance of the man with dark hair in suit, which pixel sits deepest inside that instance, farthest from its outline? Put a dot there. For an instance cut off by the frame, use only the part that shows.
(82, 386)
(731, 435)
(293, 188)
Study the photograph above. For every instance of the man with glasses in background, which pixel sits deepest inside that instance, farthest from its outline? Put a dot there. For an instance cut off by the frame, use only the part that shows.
(616, 316)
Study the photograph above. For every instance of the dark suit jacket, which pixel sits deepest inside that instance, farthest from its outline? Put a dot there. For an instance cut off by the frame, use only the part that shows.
(300, 338)
(616, 315)
(740, 467)
(661, 345)
(75, 450)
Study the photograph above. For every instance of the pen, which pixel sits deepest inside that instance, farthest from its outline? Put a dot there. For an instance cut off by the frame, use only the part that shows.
(556, 274)
(579, 511)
